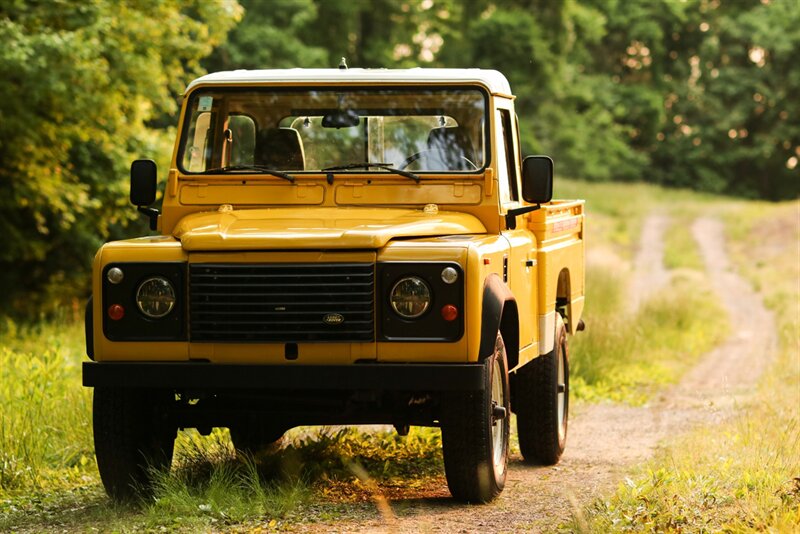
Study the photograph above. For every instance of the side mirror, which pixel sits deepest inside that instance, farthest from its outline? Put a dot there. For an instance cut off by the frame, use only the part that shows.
(143, 182)
(537, 179)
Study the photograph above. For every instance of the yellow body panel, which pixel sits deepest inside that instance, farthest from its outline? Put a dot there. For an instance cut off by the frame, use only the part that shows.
(559, 229)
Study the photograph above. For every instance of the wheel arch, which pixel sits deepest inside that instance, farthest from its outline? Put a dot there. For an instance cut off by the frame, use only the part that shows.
(564, 298)
(499, 313)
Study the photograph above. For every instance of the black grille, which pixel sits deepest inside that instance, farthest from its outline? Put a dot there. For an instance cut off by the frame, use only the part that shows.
(281, 303)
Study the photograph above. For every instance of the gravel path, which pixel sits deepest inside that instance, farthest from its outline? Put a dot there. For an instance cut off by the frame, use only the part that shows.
(606, 439)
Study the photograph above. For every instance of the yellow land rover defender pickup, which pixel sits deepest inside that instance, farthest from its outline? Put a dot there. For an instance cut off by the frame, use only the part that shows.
(340, 247)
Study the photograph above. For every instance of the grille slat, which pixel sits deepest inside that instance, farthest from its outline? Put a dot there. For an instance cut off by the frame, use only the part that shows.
(251, 314)
(259, 324)
(272, 284)
(242, 303)
(261, 276)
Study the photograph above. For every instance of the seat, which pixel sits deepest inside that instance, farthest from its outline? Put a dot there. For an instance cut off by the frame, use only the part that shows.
(280, 149)
(451, 148)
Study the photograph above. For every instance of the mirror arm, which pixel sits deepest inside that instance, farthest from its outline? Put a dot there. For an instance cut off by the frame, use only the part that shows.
(152, 214)
(511, 215)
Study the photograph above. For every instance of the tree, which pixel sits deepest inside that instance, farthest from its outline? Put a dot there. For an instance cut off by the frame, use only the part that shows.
(268, 37)
(709, 90)
(732, 127)
(315, 33)
(80, 81)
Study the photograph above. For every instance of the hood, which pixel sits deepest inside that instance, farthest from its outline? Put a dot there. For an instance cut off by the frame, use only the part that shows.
(316, 228)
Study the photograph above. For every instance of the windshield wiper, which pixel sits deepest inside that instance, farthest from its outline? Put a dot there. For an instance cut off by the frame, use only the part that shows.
(256, 168)
(367, 165)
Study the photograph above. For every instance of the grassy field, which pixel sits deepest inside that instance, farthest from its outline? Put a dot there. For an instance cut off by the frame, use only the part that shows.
(625, 355)
(48, 478)
(45, 423)
(744, 475)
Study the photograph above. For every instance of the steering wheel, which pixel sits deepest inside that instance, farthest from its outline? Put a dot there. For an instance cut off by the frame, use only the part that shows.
(426, 153)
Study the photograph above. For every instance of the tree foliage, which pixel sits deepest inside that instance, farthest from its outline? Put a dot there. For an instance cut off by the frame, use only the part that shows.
(80, 81)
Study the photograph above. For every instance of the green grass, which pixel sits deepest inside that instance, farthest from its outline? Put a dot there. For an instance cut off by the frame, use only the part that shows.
(742, 475)
(680, 247)
(626, 356)
(45, 425)
(223, 491)
(312, 476)
(615, 211)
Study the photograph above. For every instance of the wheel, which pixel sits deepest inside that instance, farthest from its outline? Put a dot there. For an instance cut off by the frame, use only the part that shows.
(542, 398)
(475, 428)
(132, 437)
(252, 437)
(437, 156)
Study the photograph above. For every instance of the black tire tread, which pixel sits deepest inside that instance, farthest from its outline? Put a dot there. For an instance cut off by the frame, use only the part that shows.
(129, 442)
(537, 408)
(467, 443)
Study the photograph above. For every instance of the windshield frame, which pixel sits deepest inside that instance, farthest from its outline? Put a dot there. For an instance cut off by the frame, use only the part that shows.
(191, 97)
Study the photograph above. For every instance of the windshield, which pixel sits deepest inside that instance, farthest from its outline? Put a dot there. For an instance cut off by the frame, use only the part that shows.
(313, 130)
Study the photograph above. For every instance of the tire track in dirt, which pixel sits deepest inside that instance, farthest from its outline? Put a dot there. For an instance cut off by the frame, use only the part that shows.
(606, 439)
(649, 274)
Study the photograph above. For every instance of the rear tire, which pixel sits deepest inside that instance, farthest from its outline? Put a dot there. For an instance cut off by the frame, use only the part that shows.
(475, 429)
(542, 398)
(251, 438)
(132, 438)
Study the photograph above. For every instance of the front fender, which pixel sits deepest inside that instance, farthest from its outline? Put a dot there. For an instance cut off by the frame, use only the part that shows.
(499, 313)
(88, 328)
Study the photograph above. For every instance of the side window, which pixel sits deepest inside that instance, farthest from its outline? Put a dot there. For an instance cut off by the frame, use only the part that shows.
(198, 143)
(242, 139)
(508, 153)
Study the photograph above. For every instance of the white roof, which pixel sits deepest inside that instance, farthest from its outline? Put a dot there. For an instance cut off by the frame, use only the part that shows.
(492, 79)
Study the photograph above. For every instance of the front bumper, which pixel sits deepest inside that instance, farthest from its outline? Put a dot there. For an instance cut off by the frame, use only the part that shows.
(360, 376)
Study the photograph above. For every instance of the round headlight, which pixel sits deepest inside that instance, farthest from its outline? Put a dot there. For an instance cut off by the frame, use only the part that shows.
(155, 297)
(410, 297)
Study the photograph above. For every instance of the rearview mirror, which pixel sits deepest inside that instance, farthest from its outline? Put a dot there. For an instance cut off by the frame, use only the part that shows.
(341, 118)
(537, 179)
(143, 182)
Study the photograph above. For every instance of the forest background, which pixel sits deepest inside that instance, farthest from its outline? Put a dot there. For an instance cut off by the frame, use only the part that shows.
(700, 94)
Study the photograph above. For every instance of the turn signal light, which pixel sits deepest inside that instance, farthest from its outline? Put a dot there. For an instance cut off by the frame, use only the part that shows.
(449, 312)
(116, 312)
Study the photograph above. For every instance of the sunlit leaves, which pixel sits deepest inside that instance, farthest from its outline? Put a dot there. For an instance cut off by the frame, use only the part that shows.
(80, 83)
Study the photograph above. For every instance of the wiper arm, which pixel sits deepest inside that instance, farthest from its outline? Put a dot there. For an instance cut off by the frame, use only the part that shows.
(257, 168)
(367, 165)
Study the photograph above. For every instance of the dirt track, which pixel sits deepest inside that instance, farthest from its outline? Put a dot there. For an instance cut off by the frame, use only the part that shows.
(606, 439)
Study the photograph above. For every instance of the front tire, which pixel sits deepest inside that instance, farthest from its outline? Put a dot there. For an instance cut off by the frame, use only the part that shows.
(132, 438)
(475, 430)
(542, 398)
